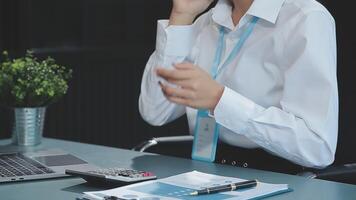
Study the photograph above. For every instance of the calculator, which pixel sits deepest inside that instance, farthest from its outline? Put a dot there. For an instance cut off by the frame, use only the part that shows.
(121, 176)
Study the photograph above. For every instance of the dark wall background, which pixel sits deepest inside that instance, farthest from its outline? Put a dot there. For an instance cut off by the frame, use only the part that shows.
(107, 43)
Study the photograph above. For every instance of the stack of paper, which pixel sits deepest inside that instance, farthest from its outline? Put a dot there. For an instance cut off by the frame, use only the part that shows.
(180, 186)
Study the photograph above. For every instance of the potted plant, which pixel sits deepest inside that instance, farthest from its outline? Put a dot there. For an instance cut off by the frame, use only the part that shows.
(28, 86)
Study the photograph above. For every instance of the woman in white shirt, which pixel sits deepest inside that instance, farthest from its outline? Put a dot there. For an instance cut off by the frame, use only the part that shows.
(278, 94)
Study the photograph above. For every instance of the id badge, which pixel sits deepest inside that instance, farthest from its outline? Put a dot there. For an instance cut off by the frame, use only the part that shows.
(206, 136)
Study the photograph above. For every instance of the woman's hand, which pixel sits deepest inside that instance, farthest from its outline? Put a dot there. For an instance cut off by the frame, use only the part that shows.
(195, 89)
(185, 11)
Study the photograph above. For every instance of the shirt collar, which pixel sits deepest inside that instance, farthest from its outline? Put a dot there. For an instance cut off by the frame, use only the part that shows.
(263, 9)
(266, 9)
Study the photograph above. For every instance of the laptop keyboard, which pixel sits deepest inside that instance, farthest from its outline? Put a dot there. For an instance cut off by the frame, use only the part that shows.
(16, 164)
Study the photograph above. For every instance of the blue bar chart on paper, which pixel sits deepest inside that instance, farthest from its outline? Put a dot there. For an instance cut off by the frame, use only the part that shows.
(173, 191)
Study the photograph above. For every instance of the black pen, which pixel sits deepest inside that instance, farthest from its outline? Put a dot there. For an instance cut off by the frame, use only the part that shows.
(224, 188)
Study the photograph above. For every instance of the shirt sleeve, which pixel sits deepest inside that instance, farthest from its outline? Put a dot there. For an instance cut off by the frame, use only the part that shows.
(303, 129)
(173, 45)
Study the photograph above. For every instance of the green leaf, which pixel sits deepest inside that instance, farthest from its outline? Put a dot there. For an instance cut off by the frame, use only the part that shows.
(29, 82)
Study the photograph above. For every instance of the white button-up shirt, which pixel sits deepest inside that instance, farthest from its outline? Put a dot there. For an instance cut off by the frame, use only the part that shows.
(280, 91)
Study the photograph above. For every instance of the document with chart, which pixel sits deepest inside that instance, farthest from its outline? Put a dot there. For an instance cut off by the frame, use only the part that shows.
(182, 185)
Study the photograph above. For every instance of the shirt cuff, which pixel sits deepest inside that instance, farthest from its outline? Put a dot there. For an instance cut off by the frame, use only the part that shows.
(174, 40)
(233, 111)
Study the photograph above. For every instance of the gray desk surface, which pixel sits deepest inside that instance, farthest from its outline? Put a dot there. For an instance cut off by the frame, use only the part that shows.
(163, 166)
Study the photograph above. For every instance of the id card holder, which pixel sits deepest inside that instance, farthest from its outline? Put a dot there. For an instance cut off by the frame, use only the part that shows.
(206, 136)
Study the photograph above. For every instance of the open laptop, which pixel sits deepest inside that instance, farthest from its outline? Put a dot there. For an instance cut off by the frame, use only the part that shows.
(17, 166)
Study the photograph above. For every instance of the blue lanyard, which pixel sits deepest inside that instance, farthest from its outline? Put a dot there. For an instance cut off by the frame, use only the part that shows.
(202, 132)
(215, 71)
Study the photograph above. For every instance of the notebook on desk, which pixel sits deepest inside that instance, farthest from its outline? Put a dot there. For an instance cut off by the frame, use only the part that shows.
(180, 186)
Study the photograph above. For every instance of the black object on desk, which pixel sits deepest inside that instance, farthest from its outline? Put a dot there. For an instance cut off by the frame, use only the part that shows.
(105, 198)
(224, 188)
(113, 176)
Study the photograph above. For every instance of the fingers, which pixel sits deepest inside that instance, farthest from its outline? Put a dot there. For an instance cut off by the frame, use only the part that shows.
(184, 75)
(176, 92)
(181, 71)
(177, 95)
(173, 74)
(187, 84)
(184, 66)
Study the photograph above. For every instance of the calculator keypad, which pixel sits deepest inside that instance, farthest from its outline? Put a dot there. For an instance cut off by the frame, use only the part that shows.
(122, 172)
